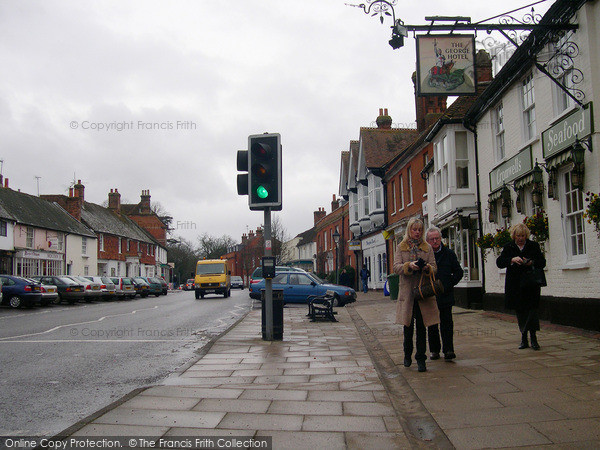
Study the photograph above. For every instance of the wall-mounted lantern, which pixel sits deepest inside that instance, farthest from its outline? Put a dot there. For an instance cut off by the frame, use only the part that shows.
(578, 157)
(492, 214)
(506, 201)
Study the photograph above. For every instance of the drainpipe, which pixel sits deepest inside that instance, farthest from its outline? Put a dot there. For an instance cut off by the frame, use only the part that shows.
(473, 129)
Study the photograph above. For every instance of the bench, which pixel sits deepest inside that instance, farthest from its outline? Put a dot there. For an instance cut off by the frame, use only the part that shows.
(321, 307)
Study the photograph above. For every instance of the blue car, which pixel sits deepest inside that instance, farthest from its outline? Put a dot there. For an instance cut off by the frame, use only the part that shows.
(18, 291)
(299, 286)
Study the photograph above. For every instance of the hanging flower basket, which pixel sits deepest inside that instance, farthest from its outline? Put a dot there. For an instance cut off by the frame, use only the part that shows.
(592, 213)
(501, 238)
(538, 225)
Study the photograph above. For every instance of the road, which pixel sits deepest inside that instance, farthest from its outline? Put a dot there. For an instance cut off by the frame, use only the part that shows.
(60, 363)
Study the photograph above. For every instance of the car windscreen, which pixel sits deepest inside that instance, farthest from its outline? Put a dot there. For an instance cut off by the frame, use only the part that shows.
(127, 281)
(210, 269)
(106, 280)
(66, 280)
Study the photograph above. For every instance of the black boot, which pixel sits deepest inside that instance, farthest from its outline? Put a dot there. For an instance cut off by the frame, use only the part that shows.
(534, 342)
(524, 342)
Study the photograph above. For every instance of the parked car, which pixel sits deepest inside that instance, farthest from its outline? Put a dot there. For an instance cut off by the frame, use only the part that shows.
(237, 282)
(19, 291)
(49, 293)
(142, 288)
(154, 285)
(298, 286)
(107, 287)
(189, 285)
(125, 287)
(164, 286)
(92, 289)
(257, 274)
(69, 290)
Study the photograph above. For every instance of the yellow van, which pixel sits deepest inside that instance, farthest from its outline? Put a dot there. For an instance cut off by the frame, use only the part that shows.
(212, 277)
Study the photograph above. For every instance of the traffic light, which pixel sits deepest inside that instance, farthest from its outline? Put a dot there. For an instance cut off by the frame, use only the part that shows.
(242, 166)
(264, 171)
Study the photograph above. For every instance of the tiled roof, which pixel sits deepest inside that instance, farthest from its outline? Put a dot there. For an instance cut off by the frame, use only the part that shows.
(37, 212)
(104, 220)
(307, 237)
(381, 145)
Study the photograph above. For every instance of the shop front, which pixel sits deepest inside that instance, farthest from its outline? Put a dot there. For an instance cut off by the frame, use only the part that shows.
(375, 259)
(28, 263)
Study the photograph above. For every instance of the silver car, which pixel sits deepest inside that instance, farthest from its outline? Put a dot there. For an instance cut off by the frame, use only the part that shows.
(107, 287)
(92, 289)
(49, 292)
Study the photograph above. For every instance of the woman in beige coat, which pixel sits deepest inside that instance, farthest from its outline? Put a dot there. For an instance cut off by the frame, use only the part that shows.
(412, 256)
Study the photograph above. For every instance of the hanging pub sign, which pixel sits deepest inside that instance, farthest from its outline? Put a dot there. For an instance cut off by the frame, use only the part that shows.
(446, 65)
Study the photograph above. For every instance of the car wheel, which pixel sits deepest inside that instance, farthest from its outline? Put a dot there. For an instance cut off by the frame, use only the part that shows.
(57, 300)
(15, 301)
(336, 300)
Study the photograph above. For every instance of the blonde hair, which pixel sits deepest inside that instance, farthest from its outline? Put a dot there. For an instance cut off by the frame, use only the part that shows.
(411, 223)
(519, 228)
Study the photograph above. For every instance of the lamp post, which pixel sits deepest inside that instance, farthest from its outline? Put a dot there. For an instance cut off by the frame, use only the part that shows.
(336, 239)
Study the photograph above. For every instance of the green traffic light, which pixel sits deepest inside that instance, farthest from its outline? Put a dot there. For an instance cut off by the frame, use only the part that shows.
(262, 192)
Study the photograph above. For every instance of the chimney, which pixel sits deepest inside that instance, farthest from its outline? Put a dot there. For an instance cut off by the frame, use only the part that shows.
(319, 214)
(335, 204)
(250, 235)
(78, 190)
(145, 201)
(259, 231)
(6, 183)
(483, 64)
(384, 121)
(425, 106)
(114, 201)
(244, 239)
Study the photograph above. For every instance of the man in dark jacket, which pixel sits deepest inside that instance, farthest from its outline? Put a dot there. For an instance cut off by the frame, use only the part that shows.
(450, 273)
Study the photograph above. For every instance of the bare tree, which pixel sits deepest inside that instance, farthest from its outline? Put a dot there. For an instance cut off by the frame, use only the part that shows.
(211, 247)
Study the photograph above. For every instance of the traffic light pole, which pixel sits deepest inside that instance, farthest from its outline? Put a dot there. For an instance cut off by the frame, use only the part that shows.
(268, 281)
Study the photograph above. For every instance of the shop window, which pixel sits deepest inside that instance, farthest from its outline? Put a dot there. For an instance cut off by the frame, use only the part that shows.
(573, 222)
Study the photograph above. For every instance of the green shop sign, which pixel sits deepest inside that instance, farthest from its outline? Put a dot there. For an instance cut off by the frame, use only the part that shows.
(563, 134)
(510, 170)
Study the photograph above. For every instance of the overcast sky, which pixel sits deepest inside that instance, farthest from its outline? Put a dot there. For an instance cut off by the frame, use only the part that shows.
(207, 74)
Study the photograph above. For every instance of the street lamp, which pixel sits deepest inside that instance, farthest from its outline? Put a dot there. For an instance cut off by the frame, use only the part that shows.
(336, 239)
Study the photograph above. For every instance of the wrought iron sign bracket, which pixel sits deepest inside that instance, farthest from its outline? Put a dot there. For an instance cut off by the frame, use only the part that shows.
(558, 64)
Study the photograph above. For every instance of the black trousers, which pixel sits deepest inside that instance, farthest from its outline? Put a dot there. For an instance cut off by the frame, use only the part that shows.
(447, 330)
(528, 320)
(421, 335)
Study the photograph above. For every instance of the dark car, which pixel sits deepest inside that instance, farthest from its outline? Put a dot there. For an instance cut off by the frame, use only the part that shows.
(299, 286)
(154, 284)
(18, 291)
(69, 290)
(164, 286)
(142, 288)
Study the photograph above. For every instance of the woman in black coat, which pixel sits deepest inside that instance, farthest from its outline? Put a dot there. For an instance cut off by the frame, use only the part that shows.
(519, 256)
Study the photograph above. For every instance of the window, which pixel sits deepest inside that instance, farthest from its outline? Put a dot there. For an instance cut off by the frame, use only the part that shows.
(3, 228)
(394, 198)
(528, 108)
(425, 161)
(410, 186)
(29, 238)
(573, 221)
(365, 200)
(83, 245)
(61, 241)
(563, 66)
(441, 168)
(401, 193)
(499, 132)
(282, 278)
(86, 271)
(375, 193)
(120, 244)
(462, 160)
(128, 245)
(300, 280)
(101, 242)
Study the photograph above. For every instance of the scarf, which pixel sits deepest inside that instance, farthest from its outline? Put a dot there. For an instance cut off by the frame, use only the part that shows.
(413, 245)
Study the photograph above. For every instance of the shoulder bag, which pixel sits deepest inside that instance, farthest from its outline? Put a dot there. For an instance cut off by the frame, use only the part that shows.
(533, 278)
(428, 287)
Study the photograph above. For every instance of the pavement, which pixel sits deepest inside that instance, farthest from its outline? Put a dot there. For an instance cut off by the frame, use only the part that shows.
(343, 386)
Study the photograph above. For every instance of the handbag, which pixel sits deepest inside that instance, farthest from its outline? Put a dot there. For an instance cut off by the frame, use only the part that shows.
(428, 287)
(533, 278)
